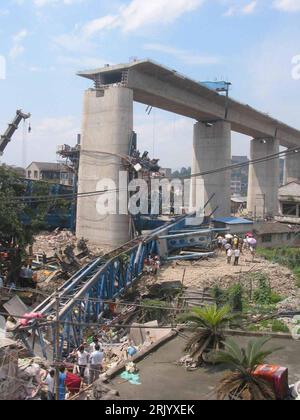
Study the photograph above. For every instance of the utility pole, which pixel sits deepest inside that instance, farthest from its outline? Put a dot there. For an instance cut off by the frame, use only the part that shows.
(56, 344)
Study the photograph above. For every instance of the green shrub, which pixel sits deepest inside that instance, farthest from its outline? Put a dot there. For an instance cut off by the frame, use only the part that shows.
(219, 295)
(263, 294)
(276, 298)
(275, 326)
(279, 326)
(297, 275)
(232, 296)
(235, 297)
(289, 257)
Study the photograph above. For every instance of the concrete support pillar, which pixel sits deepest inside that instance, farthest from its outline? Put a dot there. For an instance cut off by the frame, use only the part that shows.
(292, 167)
(264, 179)
(107, 127)
(212, 150)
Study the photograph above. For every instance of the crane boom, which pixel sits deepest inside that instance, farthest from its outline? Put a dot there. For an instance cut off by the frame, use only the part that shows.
(7, 136)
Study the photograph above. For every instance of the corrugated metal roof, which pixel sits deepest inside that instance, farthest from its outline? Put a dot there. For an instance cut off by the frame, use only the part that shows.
(233, 221)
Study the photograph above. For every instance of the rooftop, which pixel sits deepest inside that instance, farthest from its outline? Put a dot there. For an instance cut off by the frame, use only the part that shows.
(50, 166)
(233, 221)
(276, 227)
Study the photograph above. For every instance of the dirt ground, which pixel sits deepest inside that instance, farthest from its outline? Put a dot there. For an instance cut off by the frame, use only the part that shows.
(215, 271)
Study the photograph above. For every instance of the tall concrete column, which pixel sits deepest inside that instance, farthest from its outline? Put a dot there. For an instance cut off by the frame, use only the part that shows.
(292, 168)
(264, 179)
(107, 127)
(212, 150)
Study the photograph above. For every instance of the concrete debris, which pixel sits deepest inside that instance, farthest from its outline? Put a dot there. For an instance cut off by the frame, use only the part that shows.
(49, 243)
(12, 387)
(16, 307)
(188, 362)
(296, 391)
(292, 304)
(101, 391)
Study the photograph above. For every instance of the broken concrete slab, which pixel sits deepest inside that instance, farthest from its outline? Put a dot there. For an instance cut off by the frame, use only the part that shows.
(141, 335)
(136, 335)
(16, 307)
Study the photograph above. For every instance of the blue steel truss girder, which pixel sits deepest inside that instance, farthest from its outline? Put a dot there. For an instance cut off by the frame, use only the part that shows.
(83, 296)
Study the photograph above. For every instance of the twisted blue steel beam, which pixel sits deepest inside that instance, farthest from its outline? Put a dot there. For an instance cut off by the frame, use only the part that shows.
(82, 298)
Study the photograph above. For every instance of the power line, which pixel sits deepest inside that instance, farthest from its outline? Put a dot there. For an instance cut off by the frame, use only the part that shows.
(243, 164)
(74, 196)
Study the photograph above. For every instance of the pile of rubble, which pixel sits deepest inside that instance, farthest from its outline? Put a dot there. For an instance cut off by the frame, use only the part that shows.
(207, 274)
(101, 391)
(291, 304)
(50, 243)
(20, 378)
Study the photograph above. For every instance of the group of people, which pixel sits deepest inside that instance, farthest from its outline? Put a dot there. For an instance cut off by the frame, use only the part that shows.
(86, 359)
(152, 264)
(234, 246)
(89, 356)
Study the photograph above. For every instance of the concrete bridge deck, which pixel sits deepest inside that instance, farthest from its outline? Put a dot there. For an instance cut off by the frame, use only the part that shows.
(158, 86)
(108, 126)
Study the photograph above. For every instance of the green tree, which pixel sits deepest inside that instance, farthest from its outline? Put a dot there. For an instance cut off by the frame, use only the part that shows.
(208, 325)
(20, 219)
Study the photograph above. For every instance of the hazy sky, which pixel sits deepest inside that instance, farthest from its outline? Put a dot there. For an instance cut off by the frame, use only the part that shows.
(45, 42)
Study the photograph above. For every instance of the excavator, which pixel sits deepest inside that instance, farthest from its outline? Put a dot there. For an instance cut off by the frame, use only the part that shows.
(7, 136)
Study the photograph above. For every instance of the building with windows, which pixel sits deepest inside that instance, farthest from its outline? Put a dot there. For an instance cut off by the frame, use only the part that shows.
(50, 172)
(289, 203)
(277, 235)
(234, 225)
(236, 187)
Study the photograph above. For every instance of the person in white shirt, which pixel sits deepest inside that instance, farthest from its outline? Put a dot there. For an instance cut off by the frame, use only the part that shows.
(96, 360)
(50, 382)
(82, 360)
(229, 255)
(237, 254)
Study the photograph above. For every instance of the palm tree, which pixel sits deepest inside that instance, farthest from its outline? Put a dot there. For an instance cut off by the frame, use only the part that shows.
(209, 324)
(241, 383)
